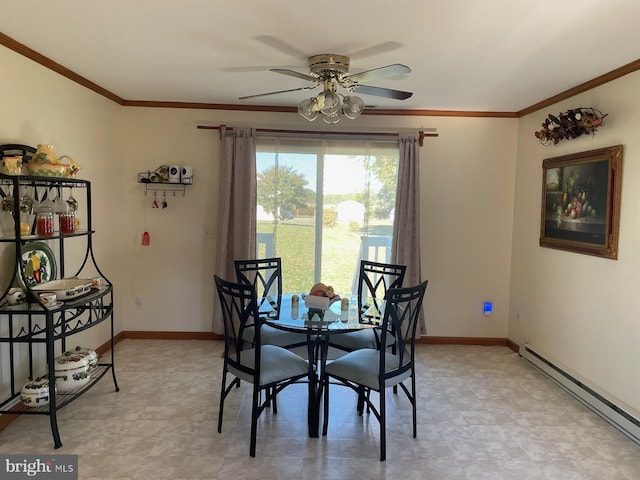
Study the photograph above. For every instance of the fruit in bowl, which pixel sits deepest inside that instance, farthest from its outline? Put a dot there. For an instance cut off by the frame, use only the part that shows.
(320, 296)
(322, 290)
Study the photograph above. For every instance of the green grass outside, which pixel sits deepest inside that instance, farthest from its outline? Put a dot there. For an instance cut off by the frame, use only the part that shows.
(295, 244)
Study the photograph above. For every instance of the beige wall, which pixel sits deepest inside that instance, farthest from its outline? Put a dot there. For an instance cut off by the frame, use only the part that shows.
(467, 177)
(579, 310)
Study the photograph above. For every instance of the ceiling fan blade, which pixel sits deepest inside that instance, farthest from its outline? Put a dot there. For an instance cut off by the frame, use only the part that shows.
(282, 46)
(293, 73)
(253, 68)
(280, 91)
(374, 50)
(383, 92)
(386, 71)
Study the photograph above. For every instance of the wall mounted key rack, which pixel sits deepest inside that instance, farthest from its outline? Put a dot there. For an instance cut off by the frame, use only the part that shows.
(167, 178)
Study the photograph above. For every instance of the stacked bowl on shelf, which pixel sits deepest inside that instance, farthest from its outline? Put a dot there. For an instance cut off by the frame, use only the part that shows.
(73, 370)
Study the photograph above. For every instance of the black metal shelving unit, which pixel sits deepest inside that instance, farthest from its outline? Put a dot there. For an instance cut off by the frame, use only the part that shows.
(30, 323)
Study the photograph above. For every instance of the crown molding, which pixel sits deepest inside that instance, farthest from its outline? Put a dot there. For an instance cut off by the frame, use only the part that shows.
(583, 87)
(46, 62)
(22, 49)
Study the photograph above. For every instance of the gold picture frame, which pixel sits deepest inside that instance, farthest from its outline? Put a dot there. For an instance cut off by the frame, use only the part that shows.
(581, 202)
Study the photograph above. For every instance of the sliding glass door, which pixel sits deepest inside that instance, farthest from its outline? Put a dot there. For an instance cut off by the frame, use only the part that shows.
(324, 205)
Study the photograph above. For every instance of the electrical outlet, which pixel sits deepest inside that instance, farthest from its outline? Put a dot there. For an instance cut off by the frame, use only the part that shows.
(208, 232)
(138, 303)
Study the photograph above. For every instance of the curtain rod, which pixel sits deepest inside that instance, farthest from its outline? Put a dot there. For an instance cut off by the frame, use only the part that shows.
(421, 134)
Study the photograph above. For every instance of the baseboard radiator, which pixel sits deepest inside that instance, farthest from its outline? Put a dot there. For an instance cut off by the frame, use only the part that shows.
(614, 414)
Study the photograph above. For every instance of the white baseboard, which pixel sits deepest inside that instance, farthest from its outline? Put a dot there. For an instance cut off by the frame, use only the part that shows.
(620, 418)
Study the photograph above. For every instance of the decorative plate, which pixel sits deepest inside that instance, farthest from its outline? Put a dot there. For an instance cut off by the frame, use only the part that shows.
(38, 263)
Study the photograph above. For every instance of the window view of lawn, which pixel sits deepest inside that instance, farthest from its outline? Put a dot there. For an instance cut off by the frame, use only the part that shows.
(351, 187)
(340, 260)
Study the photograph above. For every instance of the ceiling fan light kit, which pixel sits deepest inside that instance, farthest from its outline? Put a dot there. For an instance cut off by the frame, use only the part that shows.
(332, 70)
(308, 109)
(331, 119)
(329, 105)
(352, 107)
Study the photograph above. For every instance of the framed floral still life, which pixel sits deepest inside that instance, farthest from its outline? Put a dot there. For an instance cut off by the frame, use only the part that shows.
(581, 202)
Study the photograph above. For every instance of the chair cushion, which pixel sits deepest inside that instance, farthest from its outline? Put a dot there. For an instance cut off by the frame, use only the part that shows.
(274, 336)
(356, 340)
(277, 364)
(363, 367)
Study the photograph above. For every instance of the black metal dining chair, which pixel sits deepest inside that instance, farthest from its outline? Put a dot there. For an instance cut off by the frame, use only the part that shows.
(374, 280)
(266, 277)
(376, 369)
(268, 368)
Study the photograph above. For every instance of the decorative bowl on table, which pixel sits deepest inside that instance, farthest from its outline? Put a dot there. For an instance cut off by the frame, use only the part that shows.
(320, 297)
(65, 288)
(319, 303)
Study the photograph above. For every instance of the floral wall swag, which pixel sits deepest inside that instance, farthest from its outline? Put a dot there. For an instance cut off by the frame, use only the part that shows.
(569, 124)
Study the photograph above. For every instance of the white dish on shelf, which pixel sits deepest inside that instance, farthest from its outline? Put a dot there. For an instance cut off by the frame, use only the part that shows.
(35, 393)
(65, 288)
(53, 305)
(72, 371)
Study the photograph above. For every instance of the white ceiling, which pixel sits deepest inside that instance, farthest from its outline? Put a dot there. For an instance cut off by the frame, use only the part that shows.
(470, 55)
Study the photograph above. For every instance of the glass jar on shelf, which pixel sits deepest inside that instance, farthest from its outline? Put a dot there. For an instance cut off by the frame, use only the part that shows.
(44, 221)
(68, 222)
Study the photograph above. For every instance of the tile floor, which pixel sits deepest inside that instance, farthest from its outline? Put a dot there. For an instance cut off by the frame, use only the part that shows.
(484, 413)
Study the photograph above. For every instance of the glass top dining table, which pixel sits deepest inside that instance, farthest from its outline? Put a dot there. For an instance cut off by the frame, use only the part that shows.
(318, 325)
(295, 316)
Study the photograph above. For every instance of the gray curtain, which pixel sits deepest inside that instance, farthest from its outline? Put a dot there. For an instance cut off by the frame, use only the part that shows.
(236, 220)
(405, 248)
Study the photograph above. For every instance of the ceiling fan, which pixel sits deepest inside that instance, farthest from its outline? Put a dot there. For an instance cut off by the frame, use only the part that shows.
(331, 71)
